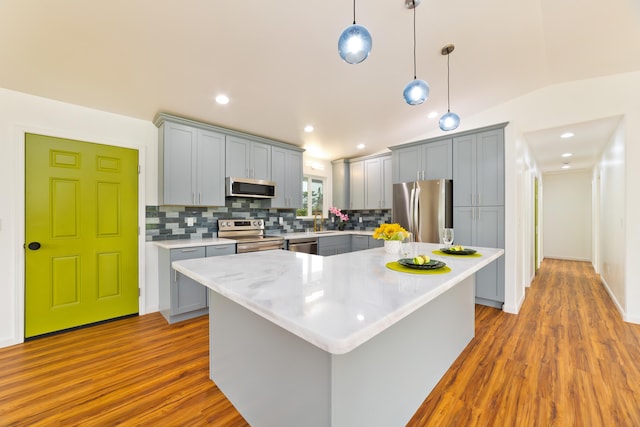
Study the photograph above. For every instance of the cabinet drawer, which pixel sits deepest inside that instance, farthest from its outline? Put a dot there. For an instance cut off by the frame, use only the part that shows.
(217, 250)
(187, 253)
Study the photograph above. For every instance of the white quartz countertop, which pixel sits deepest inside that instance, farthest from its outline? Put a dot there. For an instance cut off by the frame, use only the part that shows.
(335, 303)
(192, 243)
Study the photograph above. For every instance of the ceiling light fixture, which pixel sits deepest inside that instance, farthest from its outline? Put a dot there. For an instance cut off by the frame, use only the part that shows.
(308, 128)
(222, 99)
(416, 91)
(449, 120)
(566, 166)
(354, 44)
(432, 115)
(567, 135)
(567, 155)
(360, 146)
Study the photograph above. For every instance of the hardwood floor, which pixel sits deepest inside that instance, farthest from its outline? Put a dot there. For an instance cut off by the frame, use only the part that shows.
(566, 360)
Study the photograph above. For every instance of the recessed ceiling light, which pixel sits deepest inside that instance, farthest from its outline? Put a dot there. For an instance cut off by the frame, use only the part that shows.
(566, 166)
(433, 114)
(567, 155)
(360, 146)
(308, 128)
(222, 99)
(567, 135)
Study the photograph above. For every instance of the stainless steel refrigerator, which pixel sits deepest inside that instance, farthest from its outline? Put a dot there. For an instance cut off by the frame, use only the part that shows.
(424, 208)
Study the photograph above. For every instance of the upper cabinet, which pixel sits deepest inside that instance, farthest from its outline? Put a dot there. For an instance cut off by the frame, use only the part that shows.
(248, 159)
(479, 169)
(356, 184)
(425, 161)
(191, 166)
(286, 172)
(340, 183)
(363, 183)
(194, 158)
(378, 183)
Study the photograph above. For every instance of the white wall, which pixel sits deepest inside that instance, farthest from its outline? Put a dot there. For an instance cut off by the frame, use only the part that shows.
(568, 215)
(21, 113)
(611, 173)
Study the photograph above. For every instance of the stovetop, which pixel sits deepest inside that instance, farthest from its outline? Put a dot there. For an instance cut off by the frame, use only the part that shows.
(247, 230)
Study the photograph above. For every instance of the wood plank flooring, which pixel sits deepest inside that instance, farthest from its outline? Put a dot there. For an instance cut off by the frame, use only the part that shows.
(566, 360)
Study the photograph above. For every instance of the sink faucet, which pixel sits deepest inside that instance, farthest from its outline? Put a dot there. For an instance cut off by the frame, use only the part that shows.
(317, 227)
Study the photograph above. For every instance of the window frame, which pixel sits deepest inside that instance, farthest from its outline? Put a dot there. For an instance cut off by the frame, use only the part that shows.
(325, 206)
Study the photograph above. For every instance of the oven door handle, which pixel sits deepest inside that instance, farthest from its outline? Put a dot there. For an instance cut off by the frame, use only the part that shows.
(259, 246)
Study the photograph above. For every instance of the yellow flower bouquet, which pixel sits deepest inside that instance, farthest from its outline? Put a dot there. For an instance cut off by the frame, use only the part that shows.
(390, 232)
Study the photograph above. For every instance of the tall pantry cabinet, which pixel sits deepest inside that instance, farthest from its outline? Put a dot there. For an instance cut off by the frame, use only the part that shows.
(478, 204)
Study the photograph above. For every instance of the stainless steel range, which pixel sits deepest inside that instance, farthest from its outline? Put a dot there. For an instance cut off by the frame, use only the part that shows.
(249, 233)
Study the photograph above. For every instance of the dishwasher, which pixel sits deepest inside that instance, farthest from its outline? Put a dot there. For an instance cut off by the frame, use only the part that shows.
(307, 245)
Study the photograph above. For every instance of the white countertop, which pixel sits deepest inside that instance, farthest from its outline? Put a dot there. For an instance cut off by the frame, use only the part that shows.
(192, 243)
(335, 303)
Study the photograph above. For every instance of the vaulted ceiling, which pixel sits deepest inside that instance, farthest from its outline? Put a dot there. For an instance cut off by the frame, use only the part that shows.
(279, 65)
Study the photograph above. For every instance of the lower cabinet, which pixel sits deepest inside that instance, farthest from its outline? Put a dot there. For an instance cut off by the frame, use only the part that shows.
(359, 242)
(483, 226)
(333, 245)
(182, 298)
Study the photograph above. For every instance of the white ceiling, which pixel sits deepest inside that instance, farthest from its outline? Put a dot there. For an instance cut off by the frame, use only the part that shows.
(278, 62)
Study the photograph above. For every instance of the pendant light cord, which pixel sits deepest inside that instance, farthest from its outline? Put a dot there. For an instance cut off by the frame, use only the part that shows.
(415, 74)
(448, 85)
(354, 12)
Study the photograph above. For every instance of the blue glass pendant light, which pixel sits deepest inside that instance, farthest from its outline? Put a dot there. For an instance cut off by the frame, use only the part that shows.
(354, 44)
(449, 120)
(416, 91)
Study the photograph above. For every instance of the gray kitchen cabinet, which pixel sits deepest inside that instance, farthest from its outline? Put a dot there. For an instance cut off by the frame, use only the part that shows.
(375, 243)
(478, 199)
(247, 159)
(356, 185)
(478, 173)
(424, 161)
(359, 243)
(340, 183)
(191, 166)
(182, 298)
(483, 226)
(378, 183)
(286, 170)
(333, 245)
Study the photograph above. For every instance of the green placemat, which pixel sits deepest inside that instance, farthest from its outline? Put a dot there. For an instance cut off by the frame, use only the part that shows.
(438, 252)
(396, 266)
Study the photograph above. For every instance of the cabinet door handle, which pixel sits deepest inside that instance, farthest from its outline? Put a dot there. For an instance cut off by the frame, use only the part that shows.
(418, 175)
(199, 198)
(479, 198)
(188, 250)
(478, 213)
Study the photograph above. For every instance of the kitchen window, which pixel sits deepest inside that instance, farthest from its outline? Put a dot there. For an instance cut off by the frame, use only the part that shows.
(312, 197)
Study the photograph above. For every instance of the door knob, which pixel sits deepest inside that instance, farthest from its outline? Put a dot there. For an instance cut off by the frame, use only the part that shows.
(34, 246)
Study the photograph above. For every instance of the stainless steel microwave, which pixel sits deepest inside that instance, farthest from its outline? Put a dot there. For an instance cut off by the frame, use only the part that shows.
(247, 187)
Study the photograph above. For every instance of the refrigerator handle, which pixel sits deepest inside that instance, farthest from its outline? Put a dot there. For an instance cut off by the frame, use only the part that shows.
(411, 211)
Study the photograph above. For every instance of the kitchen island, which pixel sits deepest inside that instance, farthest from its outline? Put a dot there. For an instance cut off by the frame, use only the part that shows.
(299, 339)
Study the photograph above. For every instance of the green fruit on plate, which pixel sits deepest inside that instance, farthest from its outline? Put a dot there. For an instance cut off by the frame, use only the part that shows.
(421, 259)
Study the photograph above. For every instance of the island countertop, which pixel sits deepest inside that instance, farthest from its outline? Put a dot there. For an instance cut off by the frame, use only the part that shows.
(335, 303)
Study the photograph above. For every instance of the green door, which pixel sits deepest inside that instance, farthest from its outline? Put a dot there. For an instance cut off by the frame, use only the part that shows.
(81, 252)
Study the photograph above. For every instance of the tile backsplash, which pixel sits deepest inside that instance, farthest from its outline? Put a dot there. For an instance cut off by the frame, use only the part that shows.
(170, 222)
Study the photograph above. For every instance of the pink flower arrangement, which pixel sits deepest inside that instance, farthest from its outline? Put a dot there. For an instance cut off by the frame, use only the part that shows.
(337, 212)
